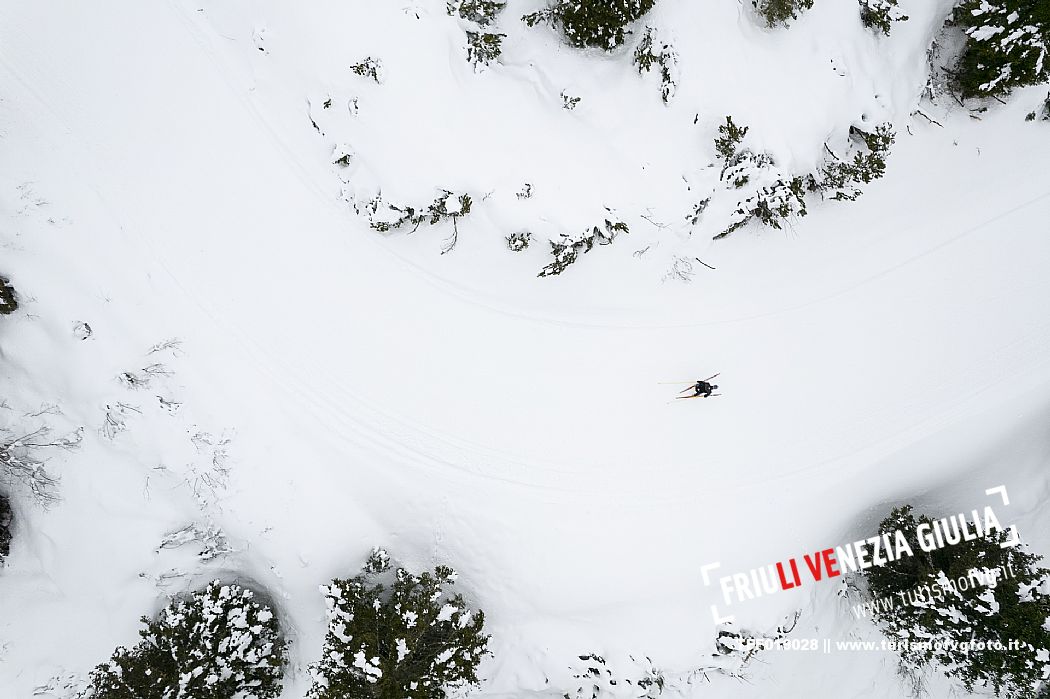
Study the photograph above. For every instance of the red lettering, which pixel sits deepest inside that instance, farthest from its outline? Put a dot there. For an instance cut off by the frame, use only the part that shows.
(814, 566)
(830, 562)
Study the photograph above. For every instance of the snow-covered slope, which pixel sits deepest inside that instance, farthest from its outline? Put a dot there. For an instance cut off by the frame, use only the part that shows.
(341, 389)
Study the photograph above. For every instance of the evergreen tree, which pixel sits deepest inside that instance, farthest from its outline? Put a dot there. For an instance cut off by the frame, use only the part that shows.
(770, 204)
(397, 635)
(8, 298)
(780, 12)
(519, 241)
(881, 14)
(483, 47)
(767, 193)
(481, 12)
(1006, 47)
(592, 23)
(385, 217)
(843, 177)
(215, 644)
(567, 249)
(6, 518)
(728, 141)
(370, 67)
(653, 52)
(1005, 601)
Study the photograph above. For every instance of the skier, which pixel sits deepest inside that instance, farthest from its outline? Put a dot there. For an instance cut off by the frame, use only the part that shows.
(703, 388)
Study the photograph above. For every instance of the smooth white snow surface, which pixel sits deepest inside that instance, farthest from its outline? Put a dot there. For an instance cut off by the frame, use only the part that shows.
(162, 180)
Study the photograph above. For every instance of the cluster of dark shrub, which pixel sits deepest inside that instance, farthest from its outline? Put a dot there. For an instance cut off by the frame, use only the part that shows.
(370, 67)
(765, 193)
(770, 196)
(385, 216)
(1007, 46)
(519, 241)
(567, 249)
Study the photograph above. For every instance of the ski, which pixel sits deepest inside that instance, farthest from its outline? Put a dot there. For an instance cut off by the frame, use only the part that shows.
(701, 396)
(665, 383)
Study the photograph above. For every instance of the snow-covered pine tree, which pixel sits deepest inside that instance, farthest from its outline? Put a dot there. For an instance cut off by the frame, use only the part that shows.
(370, 67)
(765, 192)
(213, 644)
(780, 12)
(481, 12)
(1007, 45)
(518, 241)
(728, 141)
(652, 51)
(8, 297)
(881, 14)
(483, 48)
(569, 102)
(1007, 600)
(770, 204)
(393, 634)
(842, 177)
(6, 517)
(592, 23)
(384, 216)
(568, 248)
